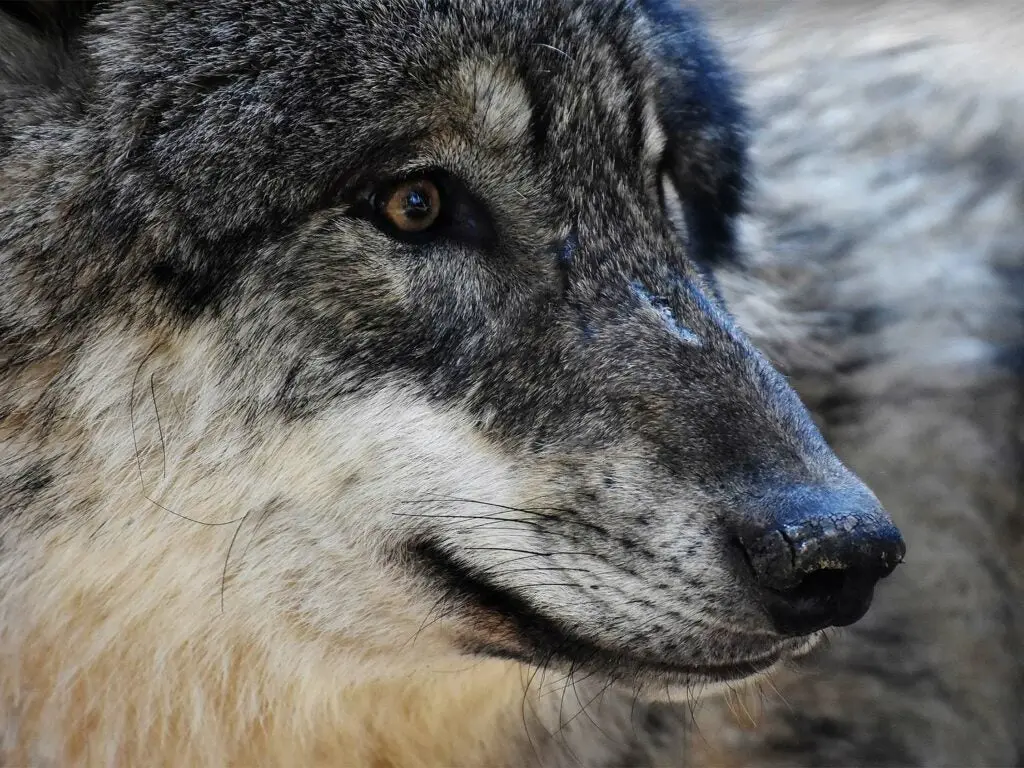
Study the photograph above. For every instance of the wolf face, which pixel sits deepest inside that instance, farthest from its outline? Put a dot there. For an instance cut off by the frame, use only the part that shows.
(422, 296)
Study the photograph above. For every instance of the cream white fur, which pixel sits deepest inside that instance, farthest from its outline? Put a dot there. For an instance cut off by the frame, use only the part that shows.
(269, 597)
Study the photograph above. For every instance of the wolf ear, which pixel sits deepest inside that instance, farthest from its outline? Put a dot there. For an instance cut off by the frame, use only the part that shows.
(705, 122)
(39, 77)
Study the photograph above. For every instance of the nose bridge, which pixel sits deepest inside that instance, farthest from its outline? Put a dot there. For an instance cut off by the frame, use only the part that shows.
(692, 378)
(723, 386)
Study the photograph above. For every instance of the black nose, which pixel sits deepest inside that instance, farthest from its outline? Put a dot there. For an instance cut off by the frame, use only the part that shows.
(817, 553)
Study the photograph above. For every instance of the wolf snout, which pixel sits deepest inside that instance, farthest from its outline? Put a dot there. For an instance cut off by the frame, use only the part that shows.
(816, 555)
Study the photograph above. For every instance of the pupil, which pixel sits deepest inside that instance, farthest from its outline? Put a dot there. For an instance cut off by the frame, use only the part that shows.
(417, 205)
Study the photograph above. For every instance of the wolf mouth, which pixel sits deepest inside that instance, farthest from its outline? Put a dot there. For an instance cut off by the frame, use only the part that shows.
(525, 634)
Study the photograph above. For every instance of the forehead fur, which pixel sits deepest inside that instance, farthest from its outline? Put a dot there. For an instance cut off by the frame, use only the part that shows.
(211, 130)
(494, 100)
(241, 109)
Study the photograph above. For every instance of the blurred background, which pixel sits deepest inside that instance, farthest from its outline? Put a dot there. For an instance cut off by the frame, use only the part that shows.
(889, 214)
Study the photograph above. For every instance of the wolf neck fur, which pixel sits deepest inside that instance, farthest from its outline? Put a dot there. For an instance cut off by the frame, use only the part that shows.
(134, 631)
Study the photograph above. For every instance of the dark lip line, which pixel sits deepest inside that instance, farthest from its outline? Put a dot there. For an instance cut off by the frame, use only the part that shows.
(546, 640)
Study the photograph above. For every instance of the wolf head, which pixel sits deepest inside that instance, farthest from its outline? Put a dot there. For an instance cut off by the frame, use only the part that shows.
(431, 287)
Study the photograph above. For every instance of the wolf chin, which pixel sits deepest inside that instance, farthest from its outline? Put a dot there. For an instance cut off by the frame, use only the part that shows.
(415, 383)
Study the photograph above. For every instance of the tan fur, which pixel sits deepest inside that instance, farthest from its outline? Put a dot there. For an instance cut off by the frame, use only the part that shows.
(499, 107)
(220, 613)
(221, 711)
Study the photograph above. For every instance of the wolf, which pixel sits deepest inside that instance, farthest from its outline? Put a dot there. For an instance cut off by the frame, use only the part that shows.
(415, 383)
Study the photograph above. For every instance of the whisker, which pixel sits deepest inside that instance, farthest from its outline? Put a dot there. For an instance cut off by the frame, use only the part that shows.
(536, 669)
(545, 568)
(431, 617)
(227, 558)
(768, 679)
(595, 697)
(559, 51)
(266, 513)
(537, 512)
(527, 552)
(138, 454)
(159, 425)
(131, 414)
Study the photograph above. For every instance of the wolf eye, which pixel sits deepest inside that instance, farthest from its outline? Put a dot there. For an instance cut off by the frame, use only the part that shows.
(428, 206)
(412, 206)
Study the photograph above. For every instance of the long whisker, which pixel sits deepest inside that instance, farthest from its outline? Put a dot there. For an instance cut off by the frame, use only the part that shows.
(138, 454)
(536, 511)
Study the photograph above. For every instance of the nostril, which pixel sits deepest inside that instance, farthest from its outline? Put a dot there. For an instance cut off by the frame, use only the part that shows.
(825, 598)
(819, 586)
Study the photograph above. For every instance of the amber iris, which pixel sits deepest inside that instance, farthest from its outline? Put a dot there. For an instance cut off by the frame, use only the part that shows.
(414, 205)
